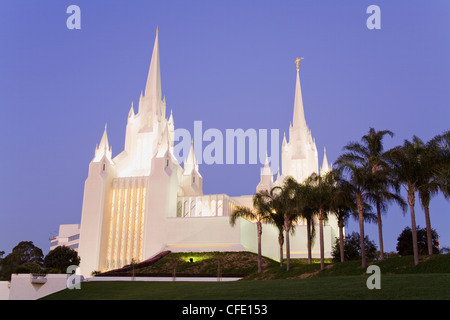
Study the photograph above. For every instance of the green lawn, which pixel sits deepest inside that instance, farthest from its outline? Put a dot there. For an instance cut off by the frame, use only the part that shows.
(400, 279)
(399, 286)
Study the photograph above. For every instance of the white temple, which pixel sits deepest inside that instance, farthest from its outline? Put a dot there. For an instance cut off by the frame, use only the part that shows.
(143, 201)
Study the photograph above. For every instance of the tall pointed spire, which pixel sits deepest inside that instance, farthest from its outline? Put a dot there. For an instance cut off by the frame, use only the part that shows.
(190, 163)
(153, 86)
(299, 121)
(104, 145)
(325, 167)
(103, 149)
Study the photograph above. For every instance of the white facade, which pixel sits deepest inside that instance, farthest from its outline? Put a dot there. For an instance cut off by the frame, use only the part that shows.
(69, 236)
(143, 201)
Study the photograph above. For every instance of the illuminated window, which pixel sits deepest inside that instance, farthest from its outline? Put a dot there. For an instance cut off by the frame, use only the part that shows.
(199, 208)
(213, 207)
(192, 208)
(186, 208)
(179, 209)
(220, 208)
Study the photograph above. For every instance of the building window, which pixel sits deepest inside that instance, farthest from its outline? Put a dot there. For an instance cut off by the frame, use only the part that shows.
(74, 237)
(192, 208)
(186, 208)
(220, 208)
(179, 209)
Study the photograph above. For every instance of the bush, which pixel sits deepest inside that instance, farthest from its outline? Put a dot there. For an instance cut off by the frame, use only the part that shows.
(352, 248)
(405, 245)
(61, 258)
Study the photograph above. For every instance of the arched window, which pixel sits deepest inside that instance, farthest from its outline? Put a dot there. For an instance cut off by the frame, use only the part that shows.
(213, 207)
(193, 208)
(220, 208)
(186, 208)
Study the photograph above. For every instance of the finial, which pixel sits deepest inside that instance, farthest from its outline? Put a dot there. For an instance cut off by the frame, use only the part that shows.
(157, 29)
(297, 61)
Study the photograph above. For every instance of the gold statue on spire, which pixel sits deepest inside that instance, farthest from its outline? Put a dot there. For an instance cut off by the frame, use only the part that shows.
(157, 29)
(297, 61)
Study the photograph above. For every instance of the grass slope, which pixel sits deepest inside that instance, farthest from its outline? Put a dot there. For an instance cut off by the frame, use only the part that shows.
(400, 279)
(402, 286)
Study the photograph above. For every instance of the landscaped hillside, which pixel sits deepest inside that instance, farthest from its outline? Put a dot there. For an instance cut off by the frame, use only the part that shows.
(243, 264)
(400, 279)
(198, 264)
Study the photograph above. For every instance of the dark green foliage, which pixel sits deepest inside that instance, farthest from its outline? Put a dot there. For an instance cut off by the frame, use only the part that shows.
(352, 248)
(24, 258)
(60, 258)
(405, 244)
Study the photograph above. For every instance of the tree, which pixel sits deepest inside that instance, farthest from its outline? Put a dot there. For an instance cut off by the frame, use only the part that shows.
(61, 258)
(352, 248)
(405, 245)
(406, 168)
(300, 208)
(442, 172)
(359, 181)
(321, 190)
(370, 153)
(435, 158)
(258, 215)
(24, 258)
(343, 207)
(277, 220)
(282, 199)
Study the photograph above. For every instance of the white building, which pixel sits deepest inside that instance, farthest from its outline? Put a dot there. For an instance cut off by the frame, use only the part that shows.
(143, 201)
(69, 235)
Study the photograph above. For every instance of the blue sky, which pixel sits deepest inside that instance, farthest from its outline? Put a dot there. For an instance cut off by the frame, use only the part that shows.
(229, 64)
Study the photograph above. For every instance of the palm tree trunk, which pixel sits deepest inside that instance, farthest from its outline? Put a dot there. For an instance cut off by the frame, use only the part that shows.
(288, 249)
(281, 242)
(411, 202)
(322, 263)
(428, 223)
(341, 239)
(359, 204)
(380, 230)
(308, 240)
(259, 230)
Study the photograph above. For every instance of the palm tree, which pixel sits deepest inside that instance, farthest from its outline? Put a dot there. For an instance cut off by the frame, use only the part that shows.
(301, 209)
(283, 204)
(433, 159)
(370, 153)
(258, 215)
(275, 219)
(407, 170)
(278, 221)
(343, 207)
(308, 214)
(321, 190)
(442, 172)
(360, 183)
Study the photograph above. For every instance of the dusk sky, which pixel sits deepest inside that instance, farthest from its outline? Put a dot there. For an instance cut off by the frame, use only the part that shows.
(229, 64)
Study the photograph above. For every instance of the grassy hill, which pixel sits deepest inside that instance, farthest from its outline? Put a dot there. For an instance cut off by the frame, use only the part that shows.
(400, 279)
(244, 264)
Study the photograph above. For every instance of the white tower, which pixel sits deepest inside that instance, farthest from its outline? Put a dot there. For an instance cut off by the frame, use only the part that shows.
(299, 157)
(127, 198)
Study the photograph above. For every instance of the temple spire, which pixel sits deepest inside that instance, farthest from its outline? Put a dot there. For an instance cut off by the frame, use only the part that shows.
(325, 167)
(299, 122)
(103, 149)
(153, 86)
(104, 145)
